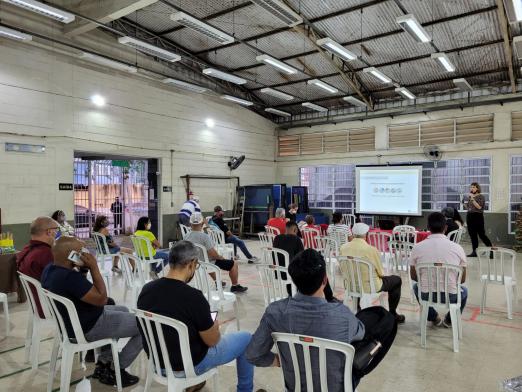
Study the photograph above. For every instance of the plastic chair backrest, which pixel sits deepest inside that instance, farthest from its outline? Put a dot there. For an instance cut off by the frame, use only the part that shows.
(275, 255)
(456, 235)
(348, 220)
(272, 230)
(405, 233)
(142, 247)
(28, 284)
(339, 234)
(380, 240)
(303, 344)
(351, 269)
(217, 236)
(400, 252)
(202, 280)
(267, 239)
(274, 280)
(309, 233)
(152, 326)
(126, 269)
(499, 267)
(53, 301)
(185, 230)
(101, 244)
(437, 277)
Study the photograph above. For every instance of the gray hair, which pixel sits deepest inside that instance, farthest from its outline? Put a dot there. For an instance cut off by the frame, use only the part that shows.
(41, 224)
(182, 253)
(280, 213)
(360, 235)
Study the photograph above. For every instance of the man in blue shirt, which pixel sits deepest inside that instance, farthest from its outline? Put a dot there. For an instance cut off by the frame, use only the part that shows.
(97, 319)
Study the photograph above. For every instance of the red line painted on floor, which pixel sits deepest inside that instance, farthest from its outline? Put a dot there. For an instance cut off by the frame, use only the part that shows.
(474, 314)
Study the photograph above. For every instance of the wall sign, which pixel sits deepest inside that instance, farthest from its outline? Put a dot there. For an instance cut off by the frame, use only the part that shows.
(65, 186)
(167, 189)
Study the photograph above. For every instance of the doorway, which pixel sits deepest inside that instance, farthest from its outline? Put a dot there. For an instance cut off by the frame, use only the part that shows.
(121, 189)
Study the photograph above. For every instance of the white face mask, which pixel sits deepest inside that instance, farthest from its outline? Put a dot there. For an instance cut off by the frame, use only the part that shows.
(148, 226)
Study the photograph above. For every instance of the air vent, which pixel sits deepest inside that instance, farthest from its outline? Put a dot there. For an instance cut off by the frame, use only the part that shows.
(281, 11)
(149, 49)
(202, 27)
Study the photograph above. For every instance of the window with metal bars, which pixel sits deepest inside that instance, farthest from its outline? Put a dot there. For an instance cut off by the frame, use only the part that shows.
(515, 191)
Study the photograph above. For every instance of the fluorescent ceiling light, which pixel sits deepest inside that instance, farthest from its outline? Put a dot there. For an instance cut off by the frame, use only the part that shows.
(149, 49)
(313, 106)
(98, 100)
(276, 93)
(513, 10)
(462, 84)
(355, 101)
(378, 74)
(411, 25)
(278, 112)
(276, 63)
(336, 48)
(323, 85)
(185, 85)
(210, 123)
(108, 62)
(202, 27)
(14, 34)
(405, 92)
(43, 9)
(444, 60)
(224, 76)
(281, 11)
(237, 100)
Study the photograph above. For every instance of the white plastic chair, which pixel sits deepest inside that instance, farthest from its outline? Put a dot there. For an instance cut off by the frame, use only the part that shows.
(153, 326)
(267, 243)
(309, 235)
(456, 235)
(405, 233)
(274, 280)
(499, 270)
(437, 277)
(348, 220)
(303, 344)
(102, 255)
(381, 240)
(71, 345)
(354, 286)
(339, 235)
(134, 281)
(400, 254)
(3, 299)
(224, 249)
(35, 323)
(272, 230)
(329, 249)
(143, 249)
(212, 290)
(185, 230)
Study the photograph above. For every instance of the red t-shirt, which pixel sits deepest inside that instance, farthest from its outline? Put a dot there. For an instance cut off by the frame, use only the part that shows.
(278, 223)
(31, 261)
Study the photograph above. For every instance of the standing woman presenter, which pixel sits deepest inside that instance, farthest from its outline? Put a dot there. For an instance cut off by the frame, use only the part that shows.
(475, 217)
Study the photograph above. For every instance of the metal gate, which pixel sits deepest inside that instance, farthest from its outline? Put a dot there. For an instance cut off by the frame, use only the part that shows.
(97, 184)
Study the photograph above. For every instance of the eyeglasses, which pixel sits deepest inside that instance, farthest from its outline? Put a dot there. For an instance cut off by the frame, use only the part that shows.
(53, 228)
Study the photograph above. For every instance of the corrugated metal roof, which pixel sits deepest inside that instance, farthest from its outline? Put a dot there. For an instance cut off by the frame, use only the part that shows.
(428, 10)
(155, 17)
(201, 9)
(315, 8)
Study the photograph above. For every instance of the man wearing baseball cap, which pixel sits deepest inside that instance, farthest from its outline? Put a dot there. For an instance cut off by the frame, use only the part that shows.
(198, 236)
(359, 247)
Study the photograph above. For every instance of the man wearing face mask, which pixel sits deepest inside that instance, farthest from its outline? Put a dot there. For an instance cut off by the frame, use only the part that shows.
(171, 296)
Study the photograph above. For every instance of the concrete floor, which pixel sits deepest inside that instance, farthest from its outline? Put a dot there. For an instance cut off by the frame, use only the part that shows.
(489, 352)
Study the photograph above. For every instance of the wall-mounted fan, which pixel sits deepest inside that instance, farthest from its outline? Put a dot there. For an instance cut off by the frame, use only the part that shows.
(433, 153)
(235, 162)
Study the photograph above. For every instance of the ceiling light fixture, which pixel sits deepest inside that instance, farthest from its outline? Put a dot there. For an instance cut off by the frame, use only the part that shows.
(354, 101)
(462, 84)
(98, 100)
(411, 25)
(378, 74)
(149, 49)
(405, 92)
(444, 60)
(323, 85)
(224, 76)
(237, 100)
(202, 27)
(108, 62)
(276, 63)
(336, 48)
(315, 107)
(278, 112)
(281, 11)
(185, 85)
(276, 93)
(210, 123)
(14, 34)
(43, 9)
(513, 10)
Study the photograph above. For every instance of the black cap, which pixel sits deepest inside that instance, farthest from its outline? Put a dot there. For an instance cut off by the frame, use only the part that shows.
(218, 208)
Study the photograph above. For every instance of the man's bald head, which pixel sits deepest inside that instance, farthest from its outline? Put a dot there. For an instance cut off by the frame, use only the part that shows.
(63, 247)
(44, 229)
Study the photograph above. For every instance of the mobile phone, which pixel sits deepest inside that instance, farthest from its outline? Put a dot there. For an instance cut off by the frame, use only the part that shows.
(74, 257)
(213, 315)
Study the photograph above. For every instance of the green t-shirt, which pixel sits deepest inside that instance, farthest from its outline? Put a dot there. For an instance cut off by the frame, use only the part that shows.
(151, 237)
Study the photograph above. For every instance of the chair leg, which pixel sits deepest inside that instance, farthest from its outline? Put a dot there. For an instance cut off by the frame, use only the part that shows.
(237, 315)
(459, 317)
(484, 295)
(35, 346)
(423, 323)
(148, 380)
(455, 328)
(509, 300)
(28, 338)
(52, 363)
(116, 361)
(6, 315)
(66, 369)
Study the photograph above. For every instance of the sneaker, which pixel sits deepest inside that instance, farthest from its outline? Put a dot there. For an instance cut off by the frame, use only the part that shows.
(437, 322)
(127, 379)
(89, 357)
(472, 254)
(447, 322)
(196, 388)
(101, 370)
(400, 318)
(238, 289)
(253, 260)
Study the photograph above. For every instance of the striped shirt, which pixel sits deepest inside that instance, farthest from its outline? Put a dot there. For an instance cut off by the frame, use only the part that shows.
(189, 207)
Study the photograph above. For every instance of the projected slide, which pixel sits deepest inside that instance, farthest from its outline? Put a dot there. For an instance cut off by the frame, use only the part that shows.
(389, 190)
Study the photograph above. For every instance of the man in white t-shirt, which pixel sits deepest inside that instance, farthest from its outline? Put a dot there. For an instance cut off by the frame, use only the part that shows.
(339, 231)
(437, 248)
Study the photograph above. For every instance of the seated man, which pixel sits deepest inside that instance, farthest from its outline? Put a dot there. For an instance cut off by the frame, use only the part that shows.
(98, 320)
(437, 248)
(198, 236)
(230, 238)
(310, 224)
(359, 247)
(449, 214)
(279, 221)
(37, 254)
(171, 296)
(338, 230)
(307, 313)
